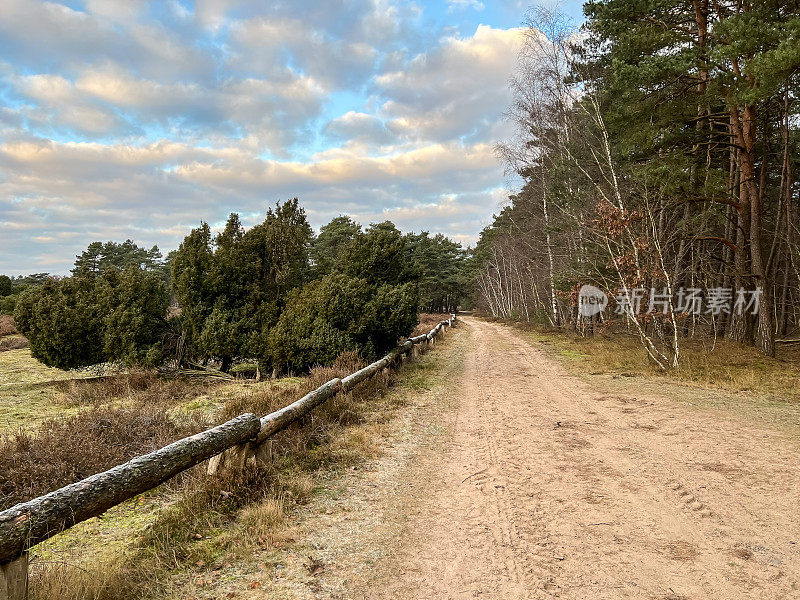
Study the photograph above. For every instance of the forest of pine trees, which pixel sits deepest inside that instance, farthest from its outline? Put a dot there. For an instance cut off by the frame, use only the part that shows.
(658, 145)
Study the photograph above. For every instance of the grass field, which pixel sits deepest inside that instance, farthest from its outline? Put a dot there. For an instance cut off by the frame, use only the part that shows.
(27, 390)
(57, 427)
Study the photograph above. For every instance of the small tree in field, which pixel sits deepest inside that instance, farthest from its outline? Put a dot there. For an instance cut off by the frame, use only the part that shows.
(133, 305)
(89, 319)
(231, 288)
(62, 322)
(339, 313)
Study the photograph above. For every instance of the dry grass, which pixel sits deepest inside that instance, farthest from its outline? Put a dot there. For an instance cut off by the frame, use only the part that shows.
(13, 342)
(208, 522)
(7, 326)
(428, 321)
(260, 519)
(142, 386)
(120, 417)
(9, 336)
(63, 451)
(719, 364)
(66, 581)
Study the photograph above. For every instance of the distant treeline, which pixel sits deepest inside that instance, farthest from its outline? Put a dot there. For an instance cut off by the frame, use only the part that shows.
(12, 287)
(274, 294)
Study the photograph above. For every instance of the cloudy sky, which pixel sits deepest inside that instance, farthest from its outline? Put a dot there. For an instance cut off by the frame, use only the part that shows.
(132, 119)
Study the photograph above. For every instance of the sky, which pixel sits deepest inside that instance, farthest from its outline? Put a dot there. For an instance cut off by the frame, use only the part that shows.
(131, 119)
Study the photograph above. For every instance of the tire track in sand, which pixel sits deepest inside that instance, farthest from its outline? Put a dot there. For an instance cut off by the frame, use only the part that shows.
(551, 489)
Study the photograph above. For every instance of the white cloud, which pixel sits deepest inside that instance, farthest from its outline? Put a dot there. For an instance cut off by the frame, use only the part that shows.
(111, 101)
(120, 11)
(181, 112)
(260, 45)
(458, 89)
(359, 128)
(462, 4)
(46, 36)
(60, 105)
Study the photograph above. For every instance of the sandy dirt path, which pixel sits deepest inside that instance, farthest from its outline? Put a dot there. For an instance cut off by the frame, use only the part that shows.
(548, 488)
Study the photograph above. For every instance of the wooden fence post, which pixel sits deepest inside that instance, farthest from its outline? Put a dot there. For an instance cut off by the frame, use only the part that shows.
(233, 445)
(263, 454)
(14, 579)
(233, 459)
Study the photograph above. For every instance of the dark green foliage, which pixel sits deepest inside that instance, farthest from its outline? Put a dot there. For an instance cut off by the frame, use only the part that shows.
(333, 239)
(281, 244)
(392, 314)
(442, 264)
(62, 322)
(192, 281)
(242, 295)
(222, 336)
(20, 283)
(8, 304)
(89, 319)
(383, 255)
(12, 287)
(101, 256)
(380, 255)
(246, 293)
(134, 306)
(339, 313)
(231, 292)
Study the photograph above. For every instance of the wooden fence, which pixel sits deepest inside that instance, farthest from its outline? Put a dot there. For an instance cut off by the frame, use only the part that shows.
(230, 445)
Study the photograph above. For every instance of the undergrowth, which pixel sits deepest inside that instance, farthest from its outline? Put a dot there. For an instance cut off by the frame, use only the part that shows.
(205, 521)
(7, 325)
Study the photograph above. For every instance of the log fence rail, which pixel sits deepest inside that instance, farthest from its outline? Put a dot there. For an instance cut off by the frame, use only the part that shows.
(231, 445)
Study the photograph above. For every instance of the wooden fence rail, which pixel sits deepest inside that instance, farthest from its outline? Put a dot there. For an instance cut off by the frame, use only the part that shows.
(230, 444)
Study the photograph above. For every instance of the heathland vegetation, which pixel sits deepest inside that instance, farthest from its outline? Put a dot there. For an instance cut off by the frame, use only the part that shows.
(275, 296)
(657, 149)
(269, 299)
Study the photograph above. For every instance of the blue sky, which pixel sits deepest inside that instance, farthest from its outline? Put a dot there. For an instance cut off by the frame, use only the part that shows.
(132, 119)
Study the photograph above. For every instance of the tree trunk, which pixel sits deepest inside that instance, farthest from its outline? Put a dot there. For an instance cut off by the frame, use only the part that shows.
(261, 372)
(741, 325)
(745, 129)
